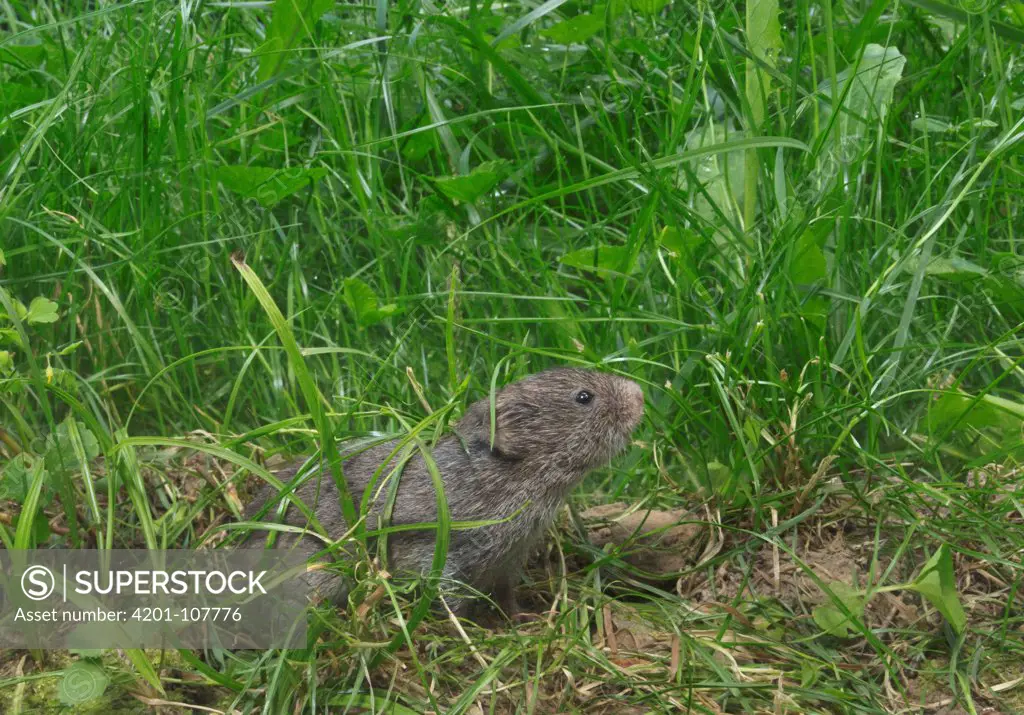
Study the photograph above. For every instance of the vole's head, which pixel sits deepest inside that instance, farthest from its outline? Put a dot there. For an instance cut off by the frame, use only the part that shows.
(568, 418)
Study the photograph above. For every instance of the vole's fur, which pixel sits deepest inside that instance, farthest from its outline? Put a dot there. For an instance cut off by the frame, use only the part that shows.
(546, 438)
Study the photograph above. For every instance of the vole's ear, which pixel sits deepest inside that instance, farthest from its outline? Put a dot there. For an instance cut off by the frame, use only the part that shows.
(498, 435)
(511, 422)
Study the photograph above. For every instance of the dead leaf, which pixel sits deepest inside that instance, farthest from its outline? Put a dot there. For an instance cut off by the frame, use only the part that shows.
(659, 543)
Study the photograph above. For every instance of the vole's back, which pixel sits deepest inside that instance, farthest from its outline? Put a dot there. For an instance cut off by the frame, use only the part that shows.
(473, 490)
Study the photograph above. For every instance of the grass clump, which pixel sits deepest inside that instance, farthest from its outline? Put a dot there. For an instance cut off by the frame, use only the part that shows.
(797, 227)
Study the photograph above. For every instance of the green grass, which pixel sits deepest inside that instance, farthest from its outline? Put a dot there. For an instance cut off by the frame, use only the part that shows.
(818, 282)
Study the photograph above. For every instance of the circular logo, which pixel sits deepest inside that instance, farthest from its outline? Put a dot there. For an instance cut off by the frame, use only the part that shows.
(848, 150)
(707, 291)
(975, 7)
(616, 96)
(37, 582)
(1008, 266)
(82, 682)
(170, 293)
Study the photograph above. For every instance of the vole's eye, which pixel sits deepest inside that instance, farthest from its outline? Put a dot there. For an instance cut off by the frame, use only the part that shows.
(583, 397)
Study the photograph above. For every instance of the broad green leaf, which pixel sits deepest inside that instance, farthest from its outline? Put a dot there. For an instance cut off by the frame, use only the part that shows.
(265, 184)
(290, 23)
(964, 411)
(1007, 264)
(602, 259)
(278, 138)
(764, 41)
(40, 530)
(20, 309)
(730, 484)
(810, 672)
(6, 361)
(717, 184)
(11, 335)
(364, 304)
(3, 258)
(752, 430)
(866, 90)
(23, 55)
(953, 268)
(831, 619)
(417, 146)
(360, 298)
(14, 478)
(576, 29)
(815, 309)
(719, 474)
(871, 86)
(478, 182)
(937, 583)
(59, 453)
(1005, 281)
(930, 125)
(972, 124)
(681, 242)
(41, 310)
(14, 95)
(808, 264)
(808, 268)
(70, 348)
(83, 681)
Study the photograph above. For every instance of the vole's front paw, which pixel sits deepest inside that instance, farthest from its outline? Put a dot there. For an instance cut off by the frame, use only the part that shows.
(505, 599)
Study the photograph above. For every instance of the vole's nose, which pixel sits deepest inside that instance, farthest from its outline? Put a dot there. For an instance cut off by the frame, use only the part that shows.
(634, 399)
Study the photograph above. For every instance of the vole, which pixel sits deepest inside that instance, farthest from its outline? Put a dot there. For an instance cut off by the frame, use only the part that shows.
(550, 429)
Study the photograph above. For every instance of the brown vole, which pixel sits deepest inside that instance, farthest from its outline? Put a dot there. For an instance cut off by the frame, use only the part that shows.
(550, 429)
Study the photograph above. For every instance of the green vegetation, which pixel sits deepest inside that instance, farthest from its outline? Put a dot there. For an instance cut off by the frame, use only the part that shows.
(233, 230)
